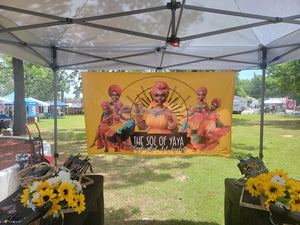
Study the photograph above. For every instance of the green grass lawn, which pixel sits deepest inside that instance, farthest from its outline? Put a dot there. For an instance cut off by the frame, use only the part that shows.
(178, 190)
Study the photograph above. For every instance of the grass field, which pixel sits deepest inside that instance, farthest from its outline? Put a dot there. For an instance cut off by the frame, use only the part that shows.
(146, 190)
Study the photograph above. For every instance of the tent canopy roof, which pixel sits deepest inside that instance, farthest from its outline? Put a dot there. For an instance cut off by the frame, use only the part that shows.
(28, 101)
(40, 103)
(275, 101)
(142, 34)
(5, 101)
(58, 104)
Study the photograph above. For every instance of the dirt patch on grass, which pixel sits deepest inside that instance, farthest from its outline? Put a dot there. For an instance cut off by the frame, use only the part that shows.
(287, 135)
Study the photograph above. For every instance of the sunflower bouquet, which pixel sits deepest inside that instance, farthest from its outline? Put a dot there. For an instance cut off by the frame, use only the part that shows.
(276, 188)
(61, 190)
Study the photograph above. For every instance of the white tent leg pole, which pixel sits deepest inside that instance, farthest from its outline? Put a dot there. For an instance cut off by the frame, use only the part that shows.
(263, 66)
(54, 68)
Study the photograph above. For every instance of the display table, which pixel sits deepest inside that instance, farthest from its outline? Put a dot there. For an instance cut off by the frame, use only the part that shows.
(239, 215)
(94, 213)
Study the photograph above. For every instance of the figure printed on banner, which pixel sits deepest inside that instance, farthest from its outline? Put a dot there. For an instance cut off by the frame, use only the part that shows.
(115, 128)
(158, 119)
(157, 125)
(203, 124)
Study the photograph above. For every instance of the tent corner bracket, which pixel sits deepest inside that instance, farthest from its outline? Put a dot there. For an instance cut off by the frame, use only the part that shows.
(173, 5)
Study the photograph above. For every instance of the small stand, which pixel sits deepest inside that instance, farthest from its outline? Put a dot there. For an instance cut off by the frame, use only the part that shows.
(241, 181)
(83, 177)
(253, 206)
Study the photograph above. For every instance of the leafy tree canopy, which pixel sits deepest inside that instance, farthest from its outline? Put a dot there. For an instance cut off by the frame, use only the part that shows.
(281, 81)
(284, 79)
(39, 80)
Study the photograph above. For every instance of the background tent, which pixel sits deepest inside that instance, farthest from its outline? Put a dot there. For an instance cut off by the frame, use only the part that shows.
(58, 109)
(28, 102)
(5, 101)
(31, 110)
(142, 34)
(43, 107)
(40, 103)
(61, 104)
(276, 101)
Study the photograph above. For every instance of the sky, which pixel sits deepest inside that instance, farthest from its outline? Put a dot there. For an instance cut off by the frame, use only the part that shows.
(249, 74)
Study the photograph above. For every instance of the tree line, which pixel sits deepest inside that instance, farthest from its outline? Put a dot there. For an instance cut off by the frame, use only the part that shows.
(38, 81)
(281, 81)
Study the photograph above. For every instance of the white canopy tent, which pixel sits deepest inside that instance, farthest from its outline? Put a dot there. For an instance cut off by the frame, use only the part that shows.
(4, 101)
(43, 105)
(276, 101)
(138, 34)
(159, 34)
(40, 103)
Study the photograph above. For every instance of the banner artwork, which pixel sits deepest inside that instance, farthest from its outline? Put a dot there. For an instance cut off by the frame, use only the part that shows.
(158, 113)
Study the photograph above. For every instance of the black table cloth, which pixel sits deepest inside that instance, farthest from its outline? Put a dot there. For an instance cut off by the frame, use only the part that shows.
(239, 215)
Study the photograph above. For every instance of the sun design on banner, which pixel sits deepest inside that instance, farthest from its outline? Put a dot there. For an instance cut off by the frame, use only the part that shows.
(174, 101)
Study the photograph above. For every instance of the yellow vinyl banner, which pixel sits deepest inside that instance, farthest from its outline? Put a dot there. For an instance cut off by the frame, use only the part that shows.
(174, 113)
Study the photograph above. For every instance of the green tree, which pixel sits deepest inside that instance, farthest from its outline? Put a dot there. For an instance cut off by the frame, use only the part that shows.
(6, 75)
(284, 79)
(246, 85)
(76, 83)
(64, 81)
(239, 89)
(255, 87)
(38, 82)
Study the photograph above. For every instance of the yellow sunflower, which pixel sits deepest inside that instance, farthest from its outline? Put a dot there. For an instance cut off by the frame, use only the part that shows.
(274, 190)
(267, 203)
(45, 196)
(67, 191)
(42, 186)
(295, 203)
(55, 207)
(24, 197)
(261, 179)
(294, 187)
(55, 189)
(79, 203)
(253, 186)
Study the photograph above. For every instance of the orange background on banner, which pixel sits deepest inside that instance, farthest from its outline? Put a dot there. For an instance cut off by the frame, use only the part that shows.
(219, 85)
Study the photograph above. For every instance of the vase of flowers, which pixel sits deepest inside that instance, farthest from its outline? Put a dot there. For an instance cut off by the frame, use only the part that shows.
(275, 187)
(62, 191)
